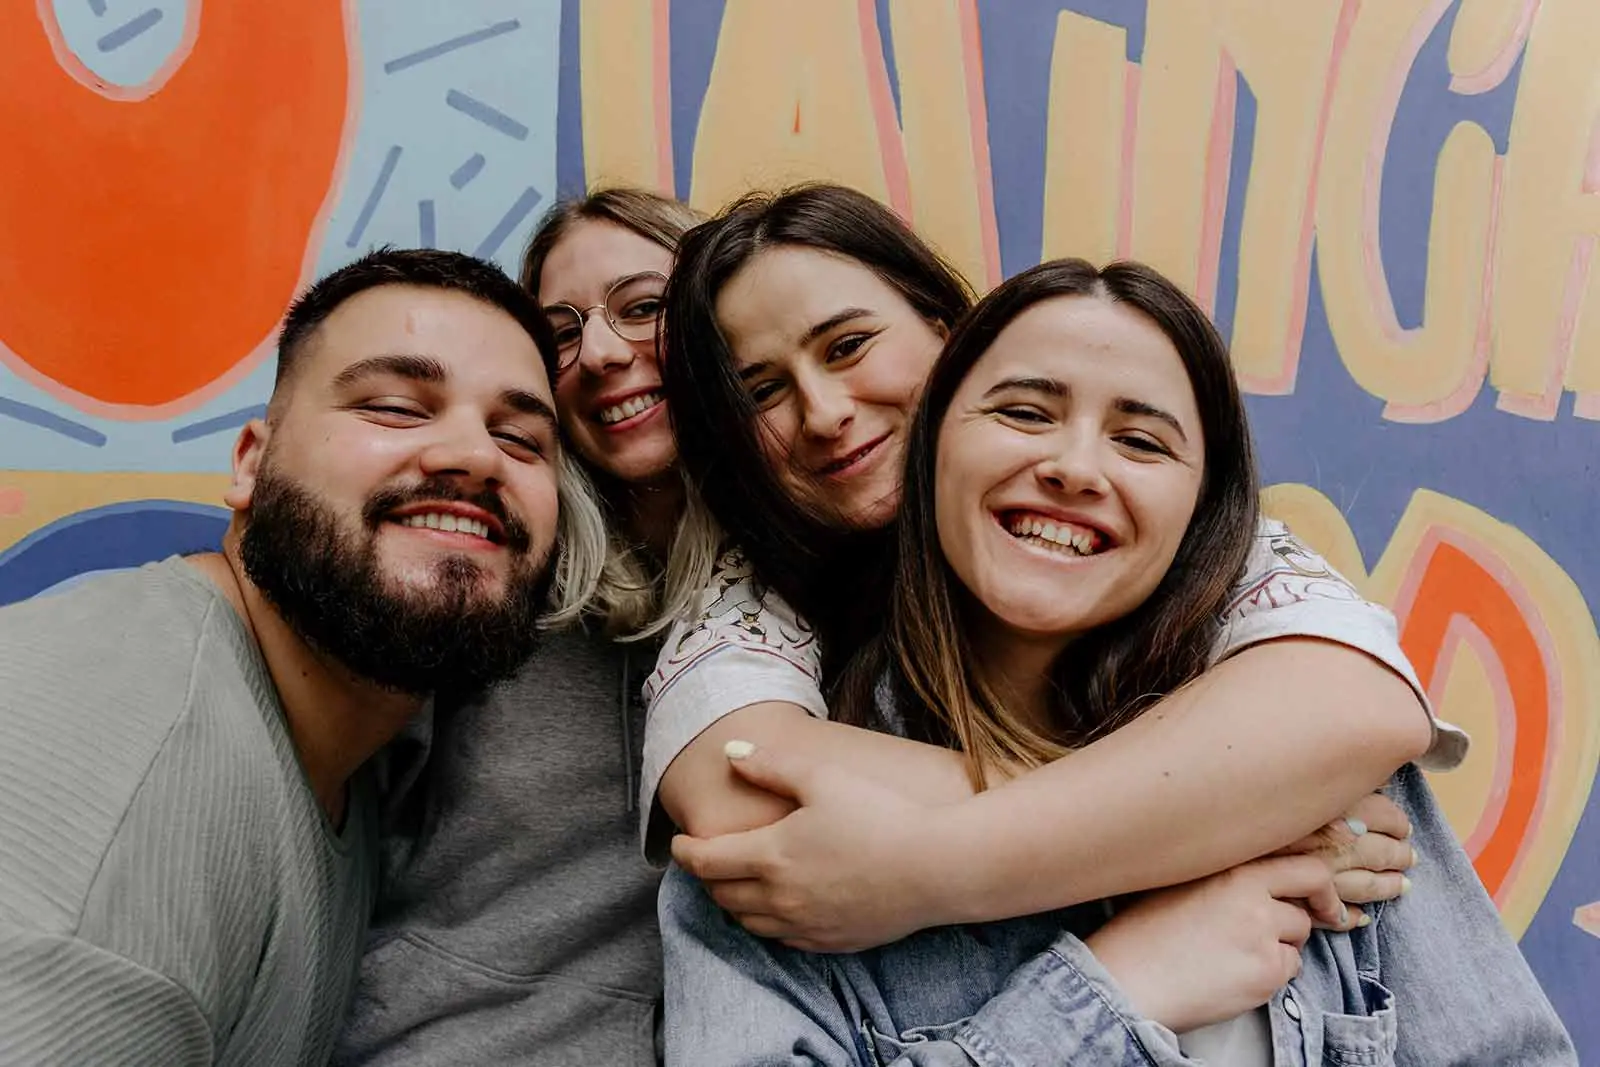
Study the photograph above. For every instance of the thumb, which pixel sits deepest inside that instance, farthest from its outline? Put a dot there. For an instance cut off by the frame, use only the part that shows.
(770, 769)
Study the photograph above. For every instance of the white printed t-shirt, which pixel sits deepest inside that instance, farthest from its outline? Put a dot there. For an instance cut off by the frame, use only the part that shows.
(747, 646)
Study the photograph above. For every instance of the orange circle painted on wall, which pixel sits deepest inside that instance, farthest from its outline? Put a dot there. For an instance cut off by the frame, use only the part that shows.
(152, 243)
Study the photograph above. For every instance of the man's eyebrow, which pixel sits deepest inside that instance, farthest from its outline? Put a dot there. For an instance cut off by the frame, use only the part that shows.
(427, 369)
(527, 403)
(412, 367)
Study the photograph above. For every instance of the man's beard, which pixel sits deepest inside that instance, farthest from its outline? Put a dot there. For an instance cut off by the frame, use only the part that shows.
(328, 584)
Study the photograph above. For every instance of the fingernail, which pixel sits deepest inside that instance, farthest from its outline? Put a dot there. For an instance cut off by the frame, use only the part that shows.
(1344, 914)
(738, 750)
(1357, 827)
(1365, 920)
(1416, 857)
(1405, 885)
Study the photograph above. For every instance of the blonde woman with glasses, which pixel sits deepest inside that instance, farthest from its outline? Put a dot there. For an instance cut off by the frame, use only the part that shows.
(516, 922)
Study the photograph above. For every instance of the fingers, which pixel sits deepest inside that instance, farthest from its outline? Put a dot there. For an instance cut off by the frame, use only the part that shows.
(1307, 880)
(770, 769)
(1293, 924)
(1379, 815)
(1362, 886)
(1288, 960)
(1323, 905)
(742, 896)
(724, 858)
(1291, 877)
(762, 925)
(1376, 852)
(1372, 815)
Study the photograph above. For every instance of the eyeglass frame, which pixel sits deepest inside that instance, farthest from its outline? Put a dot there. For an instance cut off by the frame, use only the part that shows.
(564, 364)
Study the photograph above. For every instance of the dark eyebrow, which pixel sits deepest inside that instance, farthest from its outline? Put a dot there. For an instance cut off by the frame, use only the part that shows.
(414, 368)
(431, 371)
(1047, 386)
(1126, 405)
(528, 404)
(837, 319)
(1138, 407)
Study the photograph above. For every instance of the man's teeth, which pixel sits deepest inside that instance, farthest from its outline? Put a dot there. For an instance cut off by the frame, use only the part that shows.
(1062, 535)
(438, 520)
(629, 408)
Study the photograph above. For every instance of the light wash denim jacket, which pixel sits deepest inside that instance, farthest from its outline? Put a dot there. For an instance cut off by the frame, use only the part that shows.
(1434, 980)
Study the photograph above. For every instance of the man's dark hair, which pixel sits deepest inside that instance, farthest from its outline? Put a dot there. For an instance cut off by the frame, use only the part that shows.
(425, 267)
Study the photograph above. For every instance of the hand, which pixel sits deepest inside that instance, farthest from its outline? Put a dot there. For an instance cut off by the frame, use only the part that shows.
(1368, 850)
(836, 875)
(1208, 950)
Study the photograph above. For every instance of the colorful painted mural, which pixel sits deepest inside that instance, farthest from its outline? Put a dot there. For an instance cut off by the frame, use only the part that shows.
(1391, 208)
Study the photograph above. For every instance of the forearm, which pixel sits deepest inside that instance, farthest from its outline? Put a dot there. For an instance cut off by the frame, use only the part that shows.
(1260, 751)
(704, 797)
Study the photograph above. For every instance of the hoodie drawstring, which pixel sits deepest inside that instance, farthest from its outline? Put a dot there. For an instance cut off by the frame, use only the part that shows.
(626, 705)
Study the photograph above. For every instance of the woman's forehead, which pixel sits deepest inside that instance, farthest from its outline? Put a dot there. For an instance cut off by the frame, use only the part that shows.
(1085, 338)
(776, 299)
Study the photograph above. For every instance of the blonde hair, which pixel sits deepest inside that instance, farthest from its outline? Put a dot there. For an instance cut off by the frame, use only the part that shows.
(631, 598)
(581, 545)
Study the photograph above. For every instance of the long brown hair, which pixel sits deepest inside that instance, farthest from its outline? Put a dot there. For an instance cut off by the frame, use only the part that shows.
(633, 598)
(835, 578)
(1107, 677)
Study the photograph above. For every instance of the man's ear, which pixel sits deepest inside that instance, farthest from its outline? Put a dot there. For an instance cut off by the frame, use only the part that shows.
(248, 452)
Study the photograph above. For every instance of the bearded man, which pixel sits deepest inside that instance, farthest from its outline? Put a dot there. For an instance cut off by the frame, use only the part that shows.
(186, 814)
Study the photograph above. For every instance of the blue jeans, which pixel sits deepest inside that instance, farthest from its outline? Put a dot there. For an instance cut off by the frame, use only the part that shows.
(1435, 980)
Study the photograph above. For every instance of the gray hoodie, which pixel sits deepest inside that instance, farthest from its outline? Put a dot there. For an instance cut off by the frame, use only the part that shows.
(516, 922)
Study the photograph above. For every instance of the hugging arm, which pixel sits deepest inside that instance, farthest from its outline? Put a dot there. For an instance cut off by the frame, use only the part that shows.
(1221, 772)
(1314, 709)
(1227, 769)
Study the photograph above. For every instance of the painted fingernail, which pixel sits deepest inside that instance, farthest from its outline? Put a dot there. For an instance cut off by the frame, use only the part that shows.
(738, 750)
(1405, 885)
(1357, 827)
(1365, 920)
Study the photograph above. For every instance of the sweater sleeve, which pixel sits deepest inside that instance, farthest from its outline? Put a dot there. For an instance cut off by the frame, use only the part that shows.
(65, 1002)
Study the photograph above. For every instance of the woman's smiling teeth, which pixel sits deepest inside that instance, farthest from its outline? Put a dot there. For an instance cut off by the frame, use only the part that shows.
(637, 405)
(1056, 536)
(437, 520)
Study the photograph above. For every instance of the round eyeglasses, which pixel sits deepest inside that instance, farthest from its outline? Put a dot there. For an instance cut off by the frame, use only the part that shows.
(632, 307)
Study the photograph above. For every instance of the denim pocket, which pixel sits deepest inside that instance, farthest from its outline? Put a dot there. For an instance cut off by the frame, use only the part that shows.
(1367, 1040)
(886, 1048)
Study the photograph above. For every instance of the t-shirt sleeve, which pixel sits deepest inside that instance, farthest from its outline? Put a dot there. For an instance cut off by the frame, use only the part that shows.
(744, 646)
(1288, 590)
(65, 1002)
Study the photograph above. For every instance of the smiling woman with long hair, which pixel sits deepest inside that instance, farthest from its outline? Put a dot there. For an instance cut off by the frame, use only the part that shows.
(1079, 492)
(800, 331)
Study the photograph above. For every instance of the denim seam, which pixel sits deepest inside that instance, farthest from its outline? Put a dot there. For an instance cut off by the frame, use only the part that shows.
(978, 1044)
